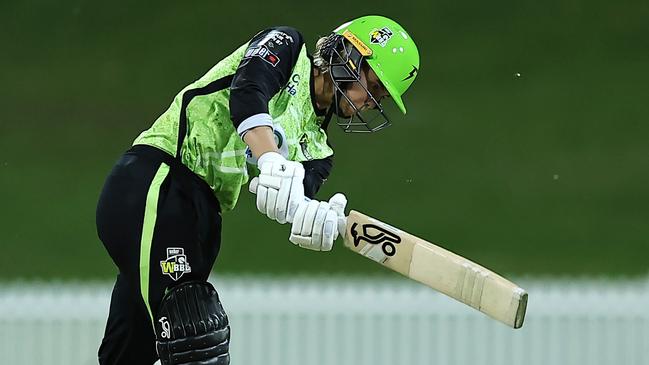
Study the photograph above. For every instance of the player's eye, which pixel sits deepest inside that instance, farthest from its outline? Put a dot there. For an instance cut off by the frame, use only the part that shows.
(379, 91)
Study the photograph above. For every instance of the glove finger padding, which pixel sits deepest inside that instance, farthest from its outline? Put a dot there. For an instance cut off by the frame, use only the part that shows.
(296, 194)
(271, 203)
(272, 182)
(282, 205)
(282, 180)
(314, 227)
(338, 203)
(329, 230)
(318, 225)
(296, 227)
(309, 218)
(262, 197)
(301, 241)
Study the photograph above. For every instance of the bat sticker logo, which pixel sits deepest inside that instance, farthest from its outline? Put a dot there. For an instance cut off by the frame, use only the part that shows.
(376, 235)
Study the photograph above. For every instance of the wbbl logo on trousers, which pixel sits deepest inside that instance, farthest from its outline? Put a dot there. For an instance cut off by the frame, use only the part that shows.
(176, 263)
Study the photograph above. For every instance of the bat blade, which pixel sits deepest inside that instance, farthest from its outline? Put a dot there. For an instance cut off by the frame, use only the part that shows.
(438, 268)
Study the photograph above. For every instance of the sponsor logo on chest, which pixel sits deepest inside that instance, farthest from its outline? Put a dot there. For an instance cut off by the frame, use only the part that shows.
(291, 87)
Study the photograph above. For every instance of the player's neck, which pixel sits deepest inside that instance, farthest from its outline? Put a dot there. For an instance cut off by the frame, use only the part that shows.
(323, 88)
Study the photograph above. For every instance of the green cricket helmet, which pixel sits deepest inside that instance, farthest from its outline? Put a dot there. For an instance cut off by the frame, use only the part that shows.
(370, 42)
(388, 49)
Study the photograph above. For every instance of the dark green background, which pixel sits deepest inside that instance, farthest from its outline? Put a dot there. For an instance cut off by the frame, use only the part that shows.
(546, 173)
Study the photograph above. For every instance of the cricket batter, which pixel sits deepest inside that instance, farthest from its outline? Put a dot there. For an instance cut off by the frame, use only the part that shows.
(264, 109)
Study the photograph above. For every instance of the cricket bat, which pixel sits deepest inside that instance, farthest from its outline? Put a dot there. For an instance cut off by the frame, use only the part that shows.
(435, 267)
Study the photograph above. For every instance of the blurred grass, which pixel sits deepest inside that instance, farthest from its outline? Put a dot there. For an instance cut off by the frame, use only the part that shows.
(545, 173)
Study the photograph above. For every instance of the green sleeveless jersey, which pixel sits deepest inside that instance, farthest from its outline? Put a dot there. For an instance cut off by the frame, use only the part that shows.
(199, 118)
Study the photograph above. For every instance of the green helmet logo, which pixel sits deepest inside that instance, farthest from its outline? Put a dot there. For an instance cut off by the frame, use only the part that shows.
(381, 36)
(388, 49)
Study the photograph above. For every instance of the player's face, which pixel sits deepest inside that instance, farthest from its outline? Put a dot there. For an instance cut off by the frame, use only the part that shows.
(365, 94)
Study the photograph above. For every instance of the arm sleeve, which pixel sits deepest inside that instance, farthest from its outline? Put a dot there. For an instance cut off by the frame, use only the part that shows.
(316, 173)
(263, 72)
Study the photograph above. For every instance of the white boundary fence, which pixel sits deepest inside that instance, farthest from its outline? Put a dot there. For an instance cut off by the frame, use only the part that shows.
(315, 321)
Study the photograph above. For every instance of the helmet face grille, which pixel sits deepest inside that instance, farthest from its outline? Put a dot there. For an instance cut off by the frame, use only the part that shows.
(390, 51)
(345, 65)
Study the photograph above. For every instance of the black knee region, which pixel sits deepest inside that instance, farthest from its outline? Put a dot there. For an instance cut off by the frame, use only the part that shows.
(192, 327)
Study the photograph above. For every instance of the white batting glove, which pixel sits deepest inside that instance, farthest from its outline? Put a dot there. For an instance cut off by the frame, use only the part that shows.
(280, 188)
(338, 202)
(315, 226)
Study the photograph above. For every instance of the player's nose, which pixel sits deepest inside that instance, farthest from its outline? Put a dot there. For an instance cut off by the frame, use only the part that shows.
(369, 103)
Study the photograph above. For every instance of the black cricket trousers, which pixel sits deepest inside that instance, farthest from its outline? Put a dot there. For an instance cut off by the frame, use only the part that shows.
(161, 225)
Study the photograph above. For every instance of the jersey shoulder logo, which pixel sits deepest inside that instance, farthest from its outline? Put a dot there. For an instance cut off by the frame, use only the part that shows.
(276, 38)
(380, 36)
(176, 264)
(264, 47)
(264, 53)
